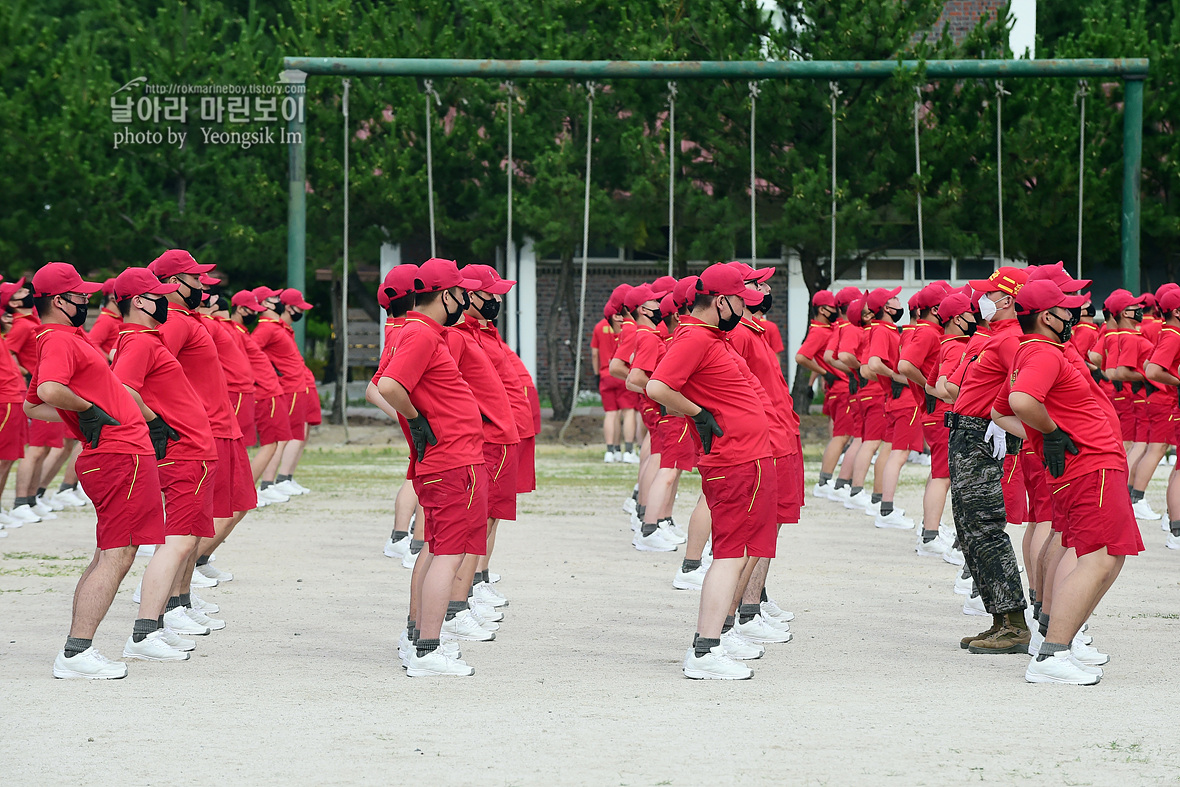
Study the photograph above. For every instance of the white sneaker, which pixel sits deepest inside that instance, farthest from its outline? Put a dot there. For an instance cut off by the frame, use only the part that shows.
(464, 627)
(260, 502)
(410, 558)
(487, 594)
(671, 528)
(1143, 511)
(629, 505)
(3, 532)
(487, 624)
(272, 495)
(145, 550)
(404, 649)
(860, 501)
(770, 609)
(26, 514)
(199, 580)
(652, 543)
(779, 625)
(299, 487)
(209, 571)
(934, 548)
(48, 500)
(758, 630)
(619, 457)
(609, 457)
(493, 577)
(963, 587)
(824, 490)
(630, 458)
(9, 522)
(43, 511)
(89, 664)
(692, 580)
(1035, 641)
(176, 641)
(842, 494)
(81, 493)
(670, 535)
(484, 611)
(178, 621)
(1058, 668)
(1171, 541)
(974, 606)
(738, 647)
(135, 597)
(436, 663)
(201, 619)
(954, 557)
(201, 605)
(152, 648)
(69, 498)
(1087, 668)
(397, 549)
(1086, 654)
(894, 520)
(714, 665)
(285, 488)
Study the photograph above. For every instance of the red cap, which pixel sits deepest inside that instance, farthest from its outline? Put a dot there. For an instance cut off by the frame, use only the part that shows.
(668, 304)
(943, 286)
(489, 280)
(877, 299)
(108, 286)
(640, 295)
(917, 301)
(437, 274)
(140, 281)
(856, 309)
(1057, 275)
(1007, 280)
(684, 291)
(1148, 300)
(615, 302)
(721, 279)
(208, 280)
(56, 278)
(8, 289)
(175, 261)
(1168, 301)
(246, 298)
(823, 298)
(752, 274)
(1159, 293)
(1041, 294)
(664, 284)
(1119, 300)
(847, 295)
(400, 280)
(951, 306)
(293, 297)
(264, 292)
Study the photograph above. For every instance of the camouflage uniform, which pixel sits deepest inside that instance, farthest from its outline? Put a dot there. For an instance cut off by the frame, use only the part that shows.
(977, 501)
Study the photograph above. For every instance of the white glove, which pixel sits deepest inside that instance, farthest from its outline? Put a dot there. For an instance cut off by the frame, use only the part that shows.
(999, 440)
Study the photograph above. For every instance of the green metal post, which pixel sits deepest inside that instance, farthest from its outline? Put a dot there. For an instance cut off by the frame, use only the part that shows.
(1132, 158)
(296, 139)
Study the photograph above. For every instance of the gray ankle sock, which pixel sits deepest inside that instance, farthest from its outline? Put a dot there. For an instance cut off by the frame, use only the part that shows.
(628, 447)
(185, 599)
(728, 624)
(398, 535)
(876, 498)
(825, 477)
(886, 507)
(689, 565)
(702, 645)
(425, 646)
(927, 535)
(842, 482)
(143, 627)
(1136, 495)
(1174, 526)
(67, 487)
(410, 626)
(172, 604)
(75, 645)
(454, 608)
(855, 490)
(416, 546)
(1049, 648)
(280, 478)
(746, 612)
(1043, 618)
(648, 528)
(203, 560)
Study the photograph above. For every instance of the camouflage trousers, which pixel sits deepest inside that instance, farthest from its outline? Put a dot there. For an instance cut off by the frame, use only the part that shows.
(977, 502)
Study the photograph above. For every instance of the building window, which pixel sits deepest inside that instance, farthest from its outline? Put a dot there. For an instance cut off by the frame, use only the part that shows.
(974, 268)
(885, 268)
(935, 269)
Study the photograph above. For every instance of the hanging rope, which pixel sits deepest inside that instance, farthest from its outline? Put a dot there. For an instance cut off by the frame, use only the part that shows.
(430, 92)
(1000, 93)
(1080, 99)
(509, 252)
(590, 88)
(754, 93)
(918, 186)
(836, 93)
(671, 174)
(344, 284)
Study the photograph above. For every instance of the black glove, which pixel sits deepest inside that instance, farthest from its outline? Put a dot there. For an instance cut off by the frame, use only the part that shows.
(1136, 386)
(1149, 388)
(830, 379)
(1057, 443)
(896, 389)
(706, 428)
(91, 421)
(160, 433)
(421, 434)
(1178, 396)
(663, 411)
(1097, 375)
(853, 383)
(1118, 385)
(931, 403)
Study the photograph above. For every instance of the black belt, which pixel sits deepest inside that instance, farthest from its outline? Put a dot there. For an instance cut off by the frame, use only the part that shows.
(970, 423)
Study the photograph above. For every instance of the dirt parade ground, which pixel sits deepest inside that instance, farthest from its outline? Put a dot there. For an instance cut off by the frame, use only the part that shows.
(583, 683)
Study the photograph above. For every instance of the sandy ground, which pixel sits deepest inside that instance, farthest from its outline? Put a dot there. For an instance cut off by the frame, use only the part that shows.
(583, 684)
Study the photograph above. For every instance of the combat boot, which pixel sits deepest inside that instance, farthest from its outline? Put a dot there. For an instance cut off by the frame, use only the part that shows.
(997, 624)
(1012, 637)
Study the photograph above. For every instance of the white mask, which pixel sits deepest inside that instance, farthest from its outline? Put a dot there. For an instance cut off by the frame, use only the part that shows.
(987, 308)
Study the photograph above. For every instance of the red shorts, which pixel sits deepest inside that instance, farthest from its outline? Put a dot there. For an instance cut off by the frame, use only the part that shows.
(46, 434)
(1125, 409)
(1159, 423)
(875, 422)
(743, 500)
(937, 437)
(295, 404)
(1015, 498)
(628, 400)
(14, 431)
(905, 430)
(188, 497)
(233, 481)
(1142, 426)
(1095, 512)
(1036, 487)
(856, 414)
(244, 409)
(500, 461)
(313, 414)
(1176, 430)
(125, 490)
(455, 502)
(526, 465)
(841, 414)
(270, 415)
(789, 478)
(677, 447)
(609, 389)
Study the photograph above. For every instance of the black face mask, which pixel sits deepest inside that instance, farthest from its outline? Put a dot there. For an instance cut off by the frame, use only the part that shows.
(453, 317)
(249, 317)
(78, 318)
(1137, 315)
(894, 314)
(489, 309)
(730, 322)
(972, 327)
(1088, 310)
(24, 303)
(655, 315)
(1066, 331)
(767, 302)
(296, 316)
(159, 311)
(193, 299)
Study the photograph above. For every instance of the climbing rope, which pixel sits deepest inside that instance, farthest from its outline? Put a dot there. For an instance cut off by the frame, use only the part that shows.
(918, 186)
(344, 282)
(430, 92)
(671, 173)
(754, 93)
(1080, 99)
(1000, 93)
(835, 91)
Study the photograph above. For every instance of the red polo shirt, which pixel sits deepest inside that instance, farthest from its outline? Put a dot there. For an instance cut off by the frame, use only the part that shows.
(475, 366)
(835, 336)
(186, 338)
(885, 343)
(143, 363)
(650, 347)
(22, 340)
(819, 335)
(239, 378)
(772, 334)
(1085, 336)
(606, 341)
(277, 339)
(392, 326)
(747, 340)
(950, 355)
(1167, 352)
(105, 331)
(986, 374)
(1150, 328)
(421, 363)
(266, 382)
(12, 382)
(516, 388)
(626, 347)
(700, 364)
(65, 355)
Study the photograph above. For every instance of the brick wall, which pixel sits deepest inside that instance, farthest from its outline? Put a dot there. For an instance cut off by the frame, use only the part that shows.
(961, 16)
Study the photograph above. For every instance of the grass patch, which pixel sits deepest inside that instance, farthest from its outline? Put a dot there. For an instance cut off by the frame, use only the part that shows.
(31, 564)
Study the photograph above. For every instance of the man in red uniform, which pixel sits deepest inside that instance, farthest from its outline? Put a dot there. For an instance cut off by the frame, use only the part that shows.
(239, 374)
(188, 339)
(183, 443)
(604, 341)
(1045, 390)
(847, 407)
(1163, 369)
(618, 366)
(422, 382)
(72, 383)
(276, 338)
(14, 428)
(105, 331)
(811, 356)
(701, 377)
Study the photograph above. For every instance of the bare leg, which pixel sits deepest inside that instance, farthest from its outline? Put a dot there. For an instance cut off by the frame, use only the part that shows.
(1152, 455)
(437, 585)
(262, 458)
(629, 426)
(290, 459)
(28, 472)
(161, 573)
(222, 527)
(464, 576)
(700, 525)
(5, 467)
(1174, 494)
(610, 427)
(832, 453)
(485, 560)
(864, 457)
(272, 467)
(1035, 536)
(743, 581)
(757, 581)
(1050, 558)
(70, 476)
(662, 494)
(717, 595)
(1079, 592)
(420, 567)
(183, 581)
(879, 469)
(97, 587)
(892, 473)
(54, 461)
(934, 502)
(850, 456)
